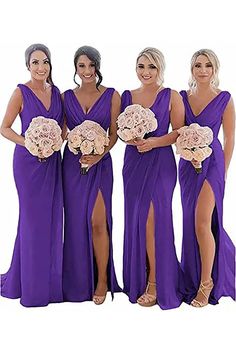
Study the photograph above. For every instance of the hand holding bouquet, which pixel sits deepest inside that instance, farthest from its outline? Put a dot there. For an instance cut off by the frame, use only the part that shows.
(43, 137)
(193, 144)
(87, 138)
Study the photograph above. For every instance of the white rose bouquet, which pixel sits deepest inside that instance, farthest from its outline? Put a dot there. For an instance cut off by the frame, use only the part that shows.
(135, 122)
(88, 138)
(193, 144)
(43, 137)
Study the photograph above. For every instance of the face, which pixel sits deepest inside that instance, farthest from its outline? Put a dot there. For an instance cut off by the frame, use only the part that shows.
(146, 71)
(39, 66)
(86, 69)
(202, 69)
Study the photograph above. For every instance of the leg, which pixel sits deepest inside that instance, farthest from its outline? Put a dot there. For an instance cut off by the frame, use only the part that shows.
(149, 297)
(100, 244)
(205, 238)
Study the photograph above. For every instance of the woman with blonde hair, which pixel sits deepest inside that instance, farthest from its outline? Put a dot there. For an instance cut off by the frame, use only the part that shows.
(208, 254)
(149, 174)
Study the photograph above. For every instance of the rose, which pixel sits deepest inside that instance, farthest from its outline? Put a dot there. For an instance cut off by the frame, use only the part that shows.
(86, 147)
(91, 135)
(186, 154)
(129, 122)
(125, 134)
(207, 151)
(199, 155)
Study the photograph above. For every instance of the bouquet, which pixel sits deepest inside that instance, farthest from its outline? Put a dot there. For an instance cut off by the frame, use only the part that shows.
(43, 137)
(135, 122)
(193, 143)
(87, 138)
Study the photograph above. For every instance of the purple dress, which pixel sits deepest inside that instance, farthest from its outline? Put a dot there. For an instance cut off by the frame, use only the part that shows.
(213, 170)
(80, 193)
(35, 273)
(151, 177)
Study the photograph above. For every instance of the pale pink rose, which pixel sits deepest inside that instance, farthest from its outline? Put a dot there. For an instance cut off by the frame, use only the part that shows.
(47, 151)
(99, 150)
(207, 151)
(91, 135)
(132, 109)
(125, 134)
(86, 147)
(99, 140)
(75, 152)
(187, 154)
(151, 125)
(139, 131)
(107, 141)
(199, 155)
(121, 121)
(57, 145)
(45, 143)
(129, 122)
(32, 148)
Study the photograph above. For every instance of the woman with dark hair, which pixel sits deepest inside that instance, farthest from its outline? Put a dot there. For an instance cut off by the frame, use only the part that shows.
(36, 269)
(88, 268)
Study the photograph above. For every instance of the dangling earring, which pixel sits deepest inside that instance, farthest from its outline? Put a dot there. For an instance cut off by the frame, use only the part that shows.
(213, 83)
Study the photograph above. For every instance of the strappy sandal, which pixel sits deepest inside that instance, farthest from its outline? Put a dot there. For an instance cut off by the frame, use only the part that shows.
(204, 286)
(147, 299)
(99, 299)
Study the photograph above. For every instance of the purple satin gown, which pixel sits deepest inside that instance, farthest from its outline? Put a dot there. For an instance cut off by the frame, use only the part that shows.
(213, 171)
(80, 193)
(151, 177)
(35, 274)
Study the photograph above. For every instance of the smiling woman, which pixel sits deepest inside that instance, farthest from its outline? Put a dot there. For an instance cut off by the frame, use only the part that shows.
(36, 268)
(88, 268)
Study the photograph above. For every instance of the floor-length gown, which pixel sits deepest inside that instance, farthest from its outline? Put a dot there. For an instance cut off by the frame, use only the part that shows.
(80, 193)
(213, 171)
(35, 274)
(150, 177)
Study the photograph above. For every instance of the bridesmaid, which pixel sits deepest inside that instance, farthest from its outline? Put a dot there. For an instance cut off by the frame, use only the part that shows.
(208, 254)
(150, 174)
(36, 269)
(88, 269)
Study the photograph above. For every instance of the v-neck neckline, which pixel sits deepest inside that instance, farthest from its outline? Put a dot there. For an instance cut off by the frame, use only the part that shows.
(47, 110)
(92, 106)
(157, 96)
(205, 108)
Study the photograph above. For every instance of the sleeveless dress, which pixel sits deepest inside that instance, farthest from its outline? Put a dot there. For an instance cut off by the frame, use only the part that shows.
(80, 193)
(35, 274)
(151, 177)
(213, 171)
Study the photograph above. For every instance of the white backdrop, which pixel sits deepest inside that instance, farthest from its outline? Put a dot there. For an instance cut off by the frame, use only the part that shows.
(119, 30)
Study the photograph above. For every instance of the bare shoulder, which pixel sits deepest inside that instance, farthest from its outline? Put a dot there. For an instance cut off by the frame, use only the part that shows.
(16, 96)
(175, 96)
(116, 95)
(116, 99)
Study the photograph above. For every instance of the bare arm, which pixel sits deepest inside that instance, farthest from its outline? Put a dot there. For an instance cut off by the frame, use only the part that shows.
(64, 127)
(229, 132)
(13, 109)
(115, 111)
(177, 121)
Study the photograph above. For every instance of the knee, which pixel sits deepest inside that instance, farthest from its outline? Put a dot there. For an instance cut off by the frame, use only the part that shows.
(99, 228)
(202, 228)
